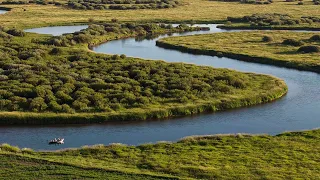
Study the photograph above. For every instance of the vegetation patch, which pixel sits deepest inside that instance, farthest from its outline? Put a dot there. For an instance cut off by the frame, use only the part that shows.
(248, 1)
(309, 49)
(96, 33)
(291, 155)
(121, 4)
(24, 2)
(272, 21)
(292, 42)
(248, 46)
(199, 11)
(267, 38)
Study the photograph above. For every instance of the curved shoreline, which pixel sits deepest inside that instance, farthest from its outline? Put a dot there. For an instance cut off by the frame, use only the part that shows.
(29, 118)
(241, 57)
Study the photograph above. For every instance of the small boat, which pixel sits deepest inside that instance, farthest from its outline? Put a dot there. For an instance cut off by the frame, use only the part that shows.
(57, 141)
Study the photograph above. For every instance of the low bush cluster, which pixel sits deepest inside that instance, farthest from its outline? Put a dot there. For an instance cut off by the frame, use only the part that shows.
(315, 38)
(309, 49)
(121, 4)
(292, 42)
(248, 1)
(7, 33)
(42, 2)
(273, 20)
(94, 30)
(267, 38)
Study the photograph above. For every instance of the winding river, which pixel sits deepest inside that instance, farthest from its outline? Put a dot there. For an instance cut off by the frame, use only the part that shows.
(298, 110)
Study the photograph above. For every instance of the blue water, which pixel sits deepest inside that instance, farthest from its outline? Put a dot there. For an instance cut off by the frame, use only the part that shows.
(3, 11)
(57, 30)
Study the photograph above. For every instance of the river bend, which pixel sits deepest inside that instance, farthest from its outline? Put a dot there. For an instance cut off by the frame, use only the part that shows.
(298, 110)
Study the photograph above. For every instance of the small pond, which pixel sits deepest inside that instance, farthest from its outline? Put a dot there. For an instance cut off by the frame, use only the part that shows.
(57, 30)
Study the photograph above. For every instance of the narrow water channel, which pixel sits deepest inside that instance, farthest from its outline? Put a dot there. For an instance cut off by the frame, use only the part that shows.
(3, 11)
(298, 110)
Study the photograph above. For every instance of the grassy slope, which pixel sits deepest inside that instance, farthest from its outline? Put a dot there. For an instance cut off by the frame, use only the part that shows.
(285, 156)
(249, 46)
(200, 10)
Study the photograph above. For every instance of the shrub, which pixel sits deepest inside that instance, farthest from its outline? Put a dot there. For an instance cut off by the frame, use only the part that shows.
(267, 39)
(114, 20)
(115, 57)
(292, 42)
(16, 32)
(315, 38)
(9, 148)
(123, 56)
(309, 49)
(300, 3)
(56, 51)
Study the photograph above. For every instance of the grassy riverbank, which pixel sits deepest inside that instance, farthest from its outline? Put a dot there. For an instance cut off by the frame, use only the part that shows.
(249, 46)
(291, 155)
(191, 10)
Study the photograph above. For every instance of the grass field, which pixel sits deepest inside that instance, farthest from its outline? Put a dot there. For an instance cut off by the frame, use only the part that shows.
(292, 155)
(249, 46)
(197, 10)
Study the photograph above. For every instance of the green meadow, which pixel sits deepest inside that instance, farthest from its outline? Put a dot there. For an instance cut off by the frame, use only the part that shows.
(250, 46)
(292, 155)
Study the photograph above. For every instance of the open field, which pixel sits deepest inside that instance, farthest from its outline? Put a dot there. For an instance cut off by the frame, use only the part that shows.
(292, 155)
(249, 46)
(196, 10)
(23, 167)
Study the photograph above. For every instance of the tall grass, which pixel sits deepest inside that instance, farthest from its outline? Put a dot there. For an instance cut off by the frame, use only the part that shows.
(290, 155)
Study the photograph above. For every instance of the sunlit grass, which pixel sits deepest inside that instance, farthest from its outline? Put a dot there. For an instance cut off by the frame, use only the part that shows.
(292, 155)
(198, 10)
(249, 45)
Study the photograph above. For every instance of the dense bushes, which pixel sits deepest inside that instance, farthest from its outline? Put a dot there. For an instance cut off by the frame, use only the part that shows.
(315, 38)
(273, 20)
(309, 49)
(42, 2)
(46, 78)
(121, 4)
(96, 30)
(248, 1)
(292, 42)
(267, 38)
(7, 33)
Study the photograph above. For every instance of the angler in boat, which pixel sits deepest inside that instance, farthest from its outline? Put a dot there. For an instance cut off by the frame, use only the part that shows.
(57, 141)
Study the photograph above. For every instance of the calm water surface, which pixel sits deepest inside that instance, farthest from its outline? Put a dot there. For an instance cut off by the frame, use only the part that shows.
(298, 110)
(3, 11)
(57, 30)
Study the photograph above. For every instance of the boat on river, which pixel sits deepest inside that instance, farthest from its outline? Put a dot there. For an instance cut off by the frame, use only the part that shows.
(57, 141)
